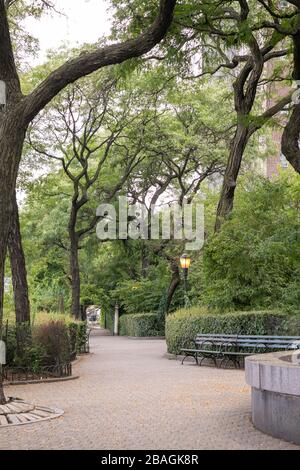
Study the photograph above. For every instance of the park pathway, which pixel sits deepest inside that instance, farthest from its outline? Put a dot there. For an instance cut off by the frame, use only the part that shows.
(129, 396)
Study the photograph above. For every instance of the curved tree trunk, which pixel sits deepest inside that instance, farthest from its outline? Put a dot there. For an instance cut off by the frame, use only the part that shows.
(74, 262)
(175, 281)
(11, 142)
(237, 149)
(75, 277)
(18, 268)
(290, 137)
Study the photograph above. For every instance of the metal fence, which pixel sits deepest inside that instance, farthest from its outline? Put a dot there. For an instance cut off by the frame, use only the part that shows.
(24, 374)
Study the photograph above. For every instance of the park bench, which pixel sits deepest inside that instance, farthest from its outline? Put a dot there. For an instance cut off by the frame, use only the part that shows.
(222, 349)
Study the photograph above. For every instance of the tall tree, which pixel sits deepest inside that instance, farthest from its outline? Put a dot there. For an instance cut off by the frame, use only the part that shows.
(186, 150)
(18, 268)
(236, 34)
(20, 110)
(89, 130)
(237, 40)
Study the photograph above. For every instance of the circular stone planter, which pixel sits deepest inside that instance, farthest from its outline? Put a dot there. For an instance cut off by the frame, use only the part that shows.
(18, 412)
(275, 382)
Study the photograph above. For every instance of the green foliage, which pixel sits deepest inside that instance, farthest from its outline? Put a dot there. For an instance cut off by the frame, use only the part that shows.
(141, 325)
(50, 340)
(53, 338)
(254, 262)
(77, 336)
(141, 295)
(249, 264)
(184, 325)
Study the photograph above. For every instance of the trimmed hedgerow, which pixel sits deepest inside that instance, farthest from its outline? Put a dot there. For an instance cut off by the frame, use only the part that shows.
(43, 344)
(141, 325)
(185, 324)
(77, 336)
(53, 339)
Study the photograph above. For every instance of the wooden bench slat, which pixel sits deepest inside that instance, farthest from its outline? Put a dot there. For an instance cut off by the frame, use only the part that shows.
(226, 346)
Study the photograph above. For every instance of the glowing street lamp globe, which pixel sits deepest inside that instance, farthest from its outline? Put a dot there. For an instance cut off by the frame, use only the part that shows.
(185, 261)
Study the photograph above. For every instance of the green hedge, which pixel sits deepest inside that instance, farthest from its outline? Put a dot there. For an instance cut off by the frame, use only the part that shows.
(141, 325)
(185, 324)
(43, 344)
(77, 335)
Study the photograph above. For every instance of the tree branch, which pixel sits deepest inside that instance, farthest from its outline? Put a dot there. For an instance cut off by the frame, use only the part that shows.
(87, 63)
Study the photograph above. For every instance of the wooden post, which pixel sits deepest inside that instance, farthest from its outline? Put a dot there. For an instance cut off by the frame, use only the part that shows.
(116, 323)
(2, 93)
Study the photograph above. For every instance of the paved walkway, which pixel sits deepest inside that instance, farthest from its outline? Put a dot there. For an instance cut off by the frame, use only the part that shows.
(129, 396)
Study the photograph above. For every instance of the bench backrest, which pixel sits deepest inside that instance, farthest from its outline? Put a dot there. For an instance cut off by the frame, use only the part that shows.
(279, 343)
(207, 341)
(258, 342)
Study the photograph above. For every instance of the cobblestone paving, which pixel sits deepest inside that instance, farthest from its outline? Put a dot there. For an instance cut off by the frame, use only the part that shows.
(129, 396)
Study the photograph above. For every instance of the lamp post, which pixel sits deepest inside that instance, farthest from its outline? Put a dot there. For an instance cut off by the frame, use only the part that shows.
(116, 319)
(185, 263)
(2, 94)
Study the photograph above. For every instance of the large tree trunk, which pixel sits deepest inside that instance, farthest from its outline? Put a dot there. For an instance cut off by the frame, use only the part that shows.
(237, 149)
(175, 281)
(75, 274)
(290, 137)
(74, 264)
(11, 142)
(18, 268)
(144, 260)
(61, 303)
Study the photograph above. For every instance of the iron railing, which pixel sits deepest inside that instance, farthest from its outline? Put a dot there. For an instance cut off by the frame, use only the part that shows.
(25, 374)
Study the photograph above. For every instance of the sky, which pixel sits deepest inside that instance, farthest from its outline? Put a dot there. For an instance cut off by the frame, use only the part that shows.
(83, 21)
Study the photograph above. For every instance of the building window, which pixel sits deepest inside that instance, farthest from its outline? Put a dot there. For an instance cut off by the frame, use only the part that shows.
(283, 161)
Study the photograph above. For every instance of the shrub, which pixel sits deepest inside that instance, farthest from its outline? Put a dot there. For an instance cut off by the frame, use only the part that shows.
(140, 296)
(185, 324)
(42, 317)
(77, 336)
(254, 261)
(53, 338)
(21, 349)
(48, 341)
(140, 325)
(146, 295)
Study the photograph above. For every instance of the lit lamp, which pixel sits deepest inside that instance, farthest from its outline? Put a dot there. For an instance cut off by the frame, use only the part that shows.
(185, 263)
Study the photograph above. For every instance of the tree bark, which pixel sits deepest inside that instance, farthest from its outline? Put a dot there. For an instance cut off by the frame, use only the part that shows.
(75, 277)
(61, 303)
(290, 137)
(18, 268)
(237, 149)
(175, 281)
(11, 142)
(74, 262)
(144, 260)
